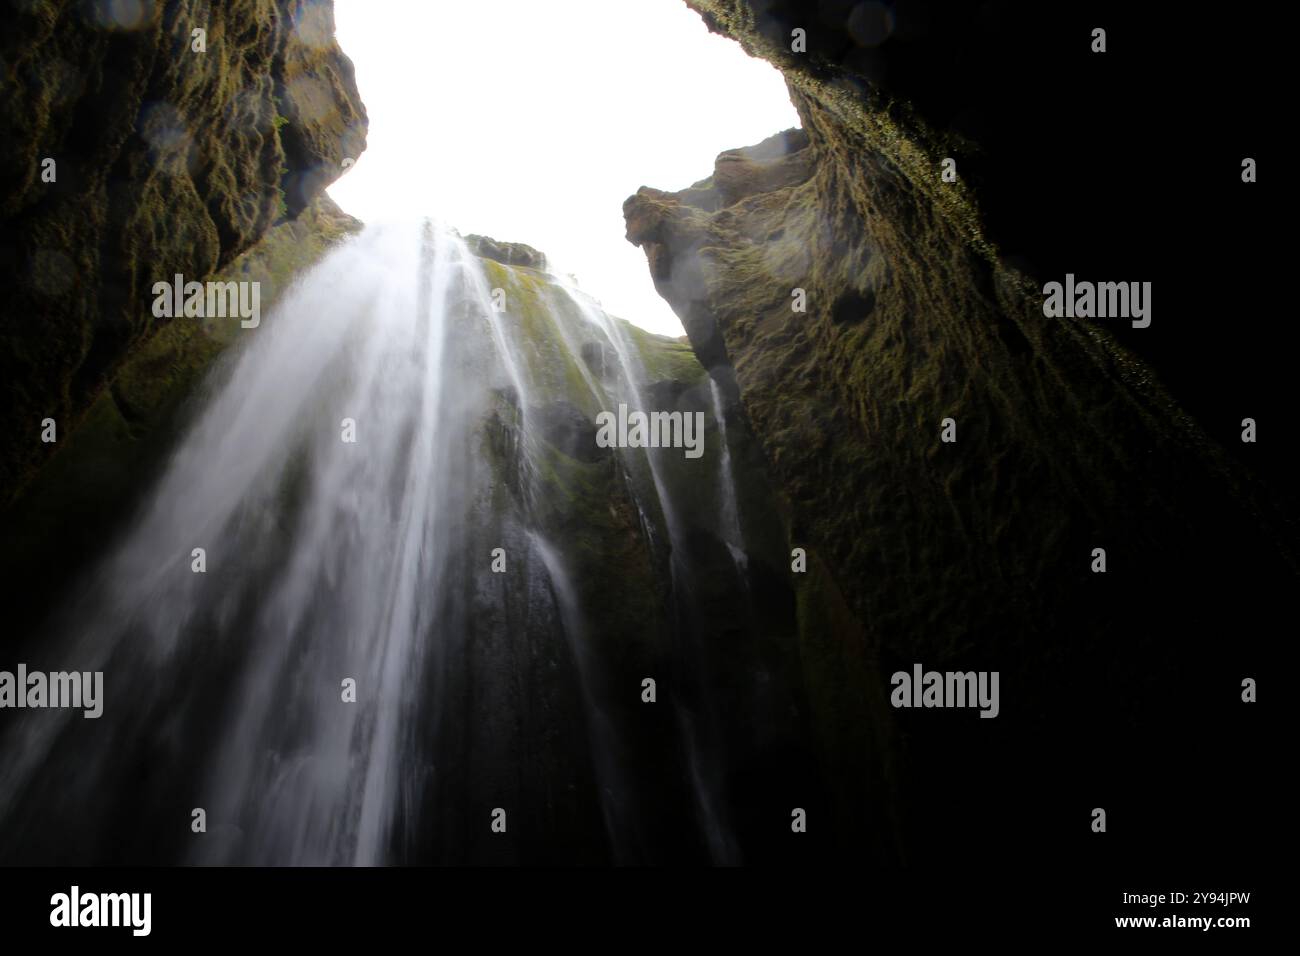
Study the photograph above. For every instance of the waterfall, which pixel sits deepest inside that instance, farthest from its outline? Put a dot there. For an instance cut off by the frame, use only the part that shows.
(345, 667)
(735, 538)
(322, 555)
(630, 379)
(704, 773)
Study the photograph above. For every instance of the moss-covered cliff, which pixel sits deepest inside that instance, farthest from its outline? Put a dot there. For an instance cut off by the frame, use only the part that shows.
(978, 553)
(755, 654)
(129, 155)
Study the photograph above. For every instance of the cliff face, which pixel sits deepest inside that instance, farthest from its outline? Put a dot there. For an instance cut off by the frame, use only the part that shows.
(165, 160)
(1070, 160)
(976, 554)
(743, 647)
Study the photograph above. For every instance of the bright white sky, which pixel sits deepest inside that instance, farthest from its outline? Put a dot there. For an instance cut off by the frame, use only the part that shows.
(532, 122)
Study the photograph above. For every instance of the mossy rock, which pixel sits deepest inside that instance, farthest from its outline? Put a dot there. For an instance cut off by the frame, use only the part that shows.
(167, 161)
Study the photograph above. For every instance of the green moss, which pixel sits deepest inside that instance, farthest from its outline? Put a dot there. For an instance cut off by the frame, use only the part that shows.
(531, 308)
(584, 506)
(665, 358)
(884, 125)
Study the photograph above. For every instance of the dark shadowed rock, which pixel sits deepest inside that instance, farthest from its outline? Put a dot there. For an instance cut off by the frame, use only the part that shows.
(974, 554)
(563, 425)
(593, 355)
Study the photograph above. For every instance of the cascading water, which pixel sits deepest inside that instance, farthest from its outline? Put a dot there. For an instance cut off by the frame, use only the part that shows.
(735, 537)
(704, 776)
(345, 682)
(317, 484)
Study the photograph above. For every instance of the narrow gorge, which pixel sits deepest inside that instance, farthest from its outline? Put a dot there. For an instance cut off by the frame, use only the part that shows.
(395, 575)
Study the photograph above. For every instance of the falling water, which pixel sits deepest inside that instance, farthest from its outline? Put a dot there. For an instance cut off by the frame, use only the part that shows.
(332, 482)
(320, 552)
(630, 379)
(735, 538)
(704, 777)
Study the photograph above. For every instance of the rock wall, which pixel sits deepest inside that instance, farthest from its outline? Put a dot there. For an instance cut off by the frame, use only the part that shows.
(165, 160)
(1067, 160)
(740, 648)
(976, 554)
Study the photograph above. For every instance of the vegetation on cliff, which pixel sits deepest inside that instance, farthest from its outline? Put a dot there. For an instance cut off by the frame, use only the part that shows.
(859, 304)
(135, 149)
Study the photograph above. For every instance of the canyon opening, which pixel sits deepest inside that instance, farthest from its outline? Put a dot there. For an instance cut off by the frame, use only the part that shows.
(656, 433)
